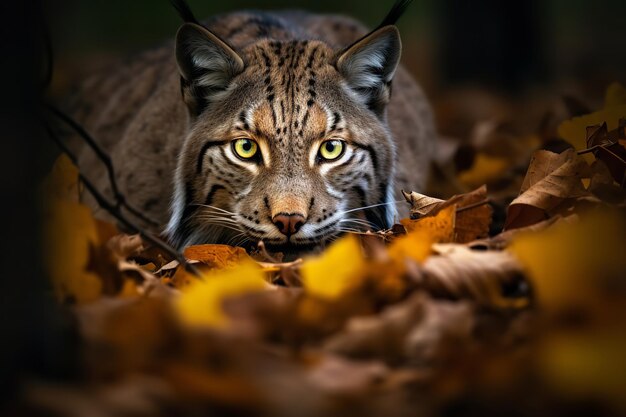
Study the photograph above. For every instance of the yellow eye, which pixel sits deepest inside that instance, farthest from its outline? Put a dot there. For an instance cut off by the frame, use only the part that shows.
(331, 149)
(245, 148)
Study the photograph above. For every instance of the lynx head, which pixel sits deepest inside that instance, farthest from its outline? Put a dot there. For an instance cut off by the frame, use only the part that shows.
(287, 141)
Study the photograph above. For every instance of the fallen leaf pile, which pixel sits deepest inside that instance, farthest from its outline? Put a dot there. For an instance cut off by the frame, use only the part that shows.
(478, 304)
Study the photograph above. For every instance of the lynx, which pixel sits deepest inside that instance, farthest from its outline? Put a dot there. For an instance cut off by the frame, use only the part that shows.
(283, 127)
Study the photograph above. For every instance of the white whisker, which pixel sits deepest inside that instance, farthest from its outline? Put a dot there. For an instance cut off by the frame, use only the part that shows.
(360, 222)
(369, 207)
(216, 208)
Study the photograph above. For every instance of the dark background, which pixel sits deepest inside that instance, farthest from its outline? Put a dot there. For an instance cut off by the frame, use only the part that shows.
(505, 45)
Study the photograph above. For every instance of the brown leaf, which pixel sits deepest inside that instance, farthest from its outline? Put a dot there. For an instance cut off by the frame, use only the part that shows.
(461, 273)
(445, 328)
(602, 185)
(421, 205)
(502, 240)
(379, 336)
(472, 218)
(551, 179)
(609, 150)
(473, 215)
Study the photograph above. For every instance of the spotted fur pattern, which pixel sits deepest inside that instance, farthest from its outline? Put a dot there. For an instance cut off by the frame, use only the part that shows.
(289, 81)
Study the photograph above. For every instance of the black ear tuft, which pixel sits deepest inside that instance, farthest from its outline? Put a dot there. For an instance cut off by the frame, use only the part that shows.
(207, 65)
(368, 67)
(184, 11)
(395, 13)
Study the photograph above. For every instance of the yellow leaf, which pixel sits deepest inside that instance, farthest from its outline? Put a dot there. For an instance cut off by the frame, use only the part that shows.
(486, 168)
(70, 235)
(575, 130)
(422, 233)
(338, 270)
(575, 264)
(438, 228)
(200, 303)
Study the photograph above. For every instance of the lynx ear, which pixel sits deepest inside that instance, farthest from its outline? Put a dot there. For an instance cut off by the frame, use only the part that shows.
(207, 65)
(369, 64)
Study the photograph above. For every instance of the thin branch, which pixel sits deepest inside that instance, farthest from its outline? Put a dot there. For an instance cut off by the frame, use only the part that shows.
(592, 149)
(115, 212)
(474, 205)
(104, 157)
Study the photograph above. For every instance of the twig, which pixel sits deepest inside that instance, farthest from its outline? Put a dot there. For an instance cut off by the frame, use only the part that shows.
(473, 205)
(115, 212)
(592, 149)
(104, 157)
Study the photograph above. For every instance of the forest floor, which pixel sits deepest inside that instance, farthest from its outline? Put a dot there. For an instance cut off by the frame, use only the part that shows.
(502, 294)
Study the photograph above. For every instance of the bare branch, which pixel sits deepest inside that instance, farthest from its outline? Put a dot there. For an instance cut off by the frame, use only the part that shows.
(104, 157)
(115, 211)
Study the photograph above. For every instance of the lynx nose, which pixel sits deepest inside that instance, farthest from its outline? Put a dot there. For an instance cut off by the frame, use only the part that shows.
(288, 224)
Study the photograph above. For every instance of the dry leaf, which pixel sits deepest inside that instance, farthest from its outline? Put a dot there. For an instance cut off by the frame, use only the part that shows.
(217, 256)
(551, 180)
(575, 263)
(485, 277)
(575, 130)
(379, 336)
(438, 228)
(577, 272)
(603, 187)
(421, 205)
(472, 217)
(445, 328)
(200, 303)
(338, 270)
(71, 238)
(609, 150)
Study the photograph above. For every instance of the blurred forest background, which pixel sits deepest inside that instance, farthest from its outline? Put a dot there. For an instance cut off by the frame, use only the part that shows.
(573, 47)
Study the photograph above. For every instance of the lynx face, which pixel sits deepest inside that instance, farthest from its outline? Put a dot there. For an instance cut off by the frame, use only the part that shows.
(287, 141)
